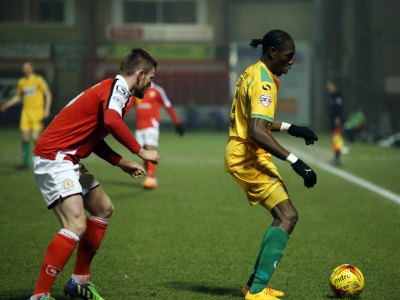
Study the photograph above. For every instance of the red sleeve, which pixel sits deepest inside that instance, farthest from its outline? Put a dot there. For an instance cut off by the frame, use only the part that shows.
(117, 127)
(104, 151)
(173, 115)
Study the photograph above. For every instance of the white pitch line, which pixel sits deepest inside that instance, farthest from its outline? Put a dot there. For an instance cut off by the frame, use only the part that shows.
(352, 178)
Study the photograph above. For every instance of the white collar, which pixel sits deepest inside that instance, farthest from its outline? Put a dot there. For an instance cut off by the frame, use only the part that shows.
(120, 77)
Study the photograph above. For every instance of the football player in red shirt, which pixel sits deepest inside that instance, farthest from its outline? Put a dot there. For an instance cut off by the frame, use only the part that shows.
(68, 188)
(148, 125)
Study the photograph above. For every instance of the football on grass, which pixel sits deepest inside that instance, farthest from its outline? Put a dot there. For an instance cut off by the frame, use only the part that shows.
(346, 281)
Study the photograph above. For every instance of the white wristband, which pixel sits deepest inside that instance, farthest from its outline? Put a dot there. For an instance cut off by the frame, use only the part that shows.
(285, 126)
(291, 159)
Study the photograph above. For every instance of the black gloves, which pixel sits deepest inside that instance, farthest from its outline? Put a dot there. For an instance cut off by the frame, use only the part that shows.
(179, 129)
(309, 176)
(304, 132)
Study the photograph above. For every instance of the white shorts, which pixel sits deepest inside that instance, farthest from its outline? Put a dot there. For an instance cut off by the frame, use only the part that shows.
(148, 136)
(61, 178)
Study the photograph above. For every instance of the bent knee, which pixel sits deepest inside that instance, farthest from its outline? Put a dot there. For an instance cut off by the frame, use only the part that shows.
(105, 211)
(290, 216)
(108, 211)
(288, 220)
(76, 225)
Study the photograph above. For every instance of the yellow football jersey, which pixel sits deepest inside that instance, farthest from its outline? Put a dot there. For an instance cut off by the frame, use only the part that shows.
(255, 97)
(31, 89)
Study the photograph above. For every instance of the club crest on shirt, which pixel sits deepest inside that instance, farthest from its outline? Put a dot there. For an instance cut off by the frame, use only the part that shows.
(68, 184)
(120, 101)
(265, 100)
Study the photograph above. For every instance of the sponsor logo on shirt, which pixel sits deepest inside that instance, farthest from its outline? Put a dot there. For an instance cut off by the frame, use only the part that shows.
(121, 90)
(265, 100)
(29, 91)
(145, 105)
(266, 87)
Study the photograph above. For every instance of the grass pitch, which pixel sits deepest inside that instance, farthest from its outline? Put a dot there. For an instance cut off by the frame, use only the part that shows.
(196, 237)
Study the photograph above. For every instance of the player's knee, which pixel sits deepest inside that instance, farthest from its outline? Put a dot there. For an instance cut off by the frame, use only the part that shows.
(290, 218)
(108, 211)
(105, 211)
(77, 226)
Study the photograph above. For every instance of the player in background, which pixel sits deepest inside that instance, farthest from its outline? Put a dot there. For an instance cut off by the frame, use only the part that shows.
(69, 189)
(148, 126)
(249, 150)
(36, 98)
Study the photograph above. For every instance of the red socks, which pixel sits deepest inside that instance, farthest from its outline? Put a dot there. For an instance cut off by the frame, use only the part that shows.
(57, 254)
(89, 244)
(151, 169)
(62, 246)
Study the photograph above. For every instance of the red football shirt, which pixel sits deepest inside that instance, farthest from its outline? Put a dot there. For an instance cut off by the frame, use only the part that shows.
(80, 127)
(148, 108)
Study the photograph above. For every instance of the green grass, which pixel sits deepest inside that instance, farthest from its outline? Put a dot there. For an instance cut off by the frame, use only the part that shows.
(196, 237)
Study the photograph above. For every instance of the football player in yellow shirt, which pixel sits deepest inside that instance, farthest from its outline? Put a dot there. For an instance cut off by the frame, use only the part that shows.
(249, 150)
(36, 99)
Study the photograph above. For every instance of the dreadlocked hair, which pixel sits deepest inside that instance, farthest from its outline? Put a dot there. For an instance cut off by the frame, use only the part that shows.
(275, 38)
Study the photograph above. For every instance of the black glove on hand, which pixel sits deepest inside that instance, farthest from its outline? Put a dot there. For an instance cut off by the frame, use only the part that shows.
(309, 176)
(179, 129)
(304, 132)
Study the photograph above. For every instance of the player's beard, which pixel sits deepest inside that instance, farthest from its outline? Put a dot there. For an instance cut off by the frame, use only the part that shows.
(140, 89)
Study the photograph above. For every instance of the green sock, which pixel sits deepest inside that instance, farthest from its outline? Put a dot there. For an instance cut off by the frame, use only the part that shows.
(253, 273)
(273, 244)
(25, 153)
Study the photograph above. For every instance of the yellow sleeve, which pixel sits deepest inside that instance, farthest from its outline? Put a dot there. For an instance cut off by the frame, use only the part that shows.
(263, 102)
(42, 84)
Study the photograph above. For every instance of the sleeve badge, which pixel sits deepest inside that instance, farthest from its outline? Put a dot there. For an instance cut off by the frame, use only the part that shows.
(265, 100)
(118, 100)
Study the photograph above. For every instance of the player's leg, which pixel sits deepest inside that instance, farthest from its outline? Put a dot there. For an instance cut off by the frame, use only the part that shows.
(36, 121)
(100, 207)
(25, 146)
(70, 213)
(25, 128)
(142, 137)
(58, 181)
(262, 185)
(151, 136)
(274, 240)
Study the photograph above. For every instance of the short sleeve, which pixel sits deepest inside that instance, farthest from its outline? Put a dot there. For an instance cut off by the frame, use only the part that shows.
(119, 98)
(263, 101)
(42, 84)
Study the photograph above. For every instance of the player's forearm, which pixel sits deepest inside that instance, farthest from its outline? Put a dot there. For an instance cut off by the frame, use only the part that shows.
(269, 144)
(260, 133)
(276, 126)
(105, 152)
(48, 100)
(14, 100)
(120, 130)
(173, 115)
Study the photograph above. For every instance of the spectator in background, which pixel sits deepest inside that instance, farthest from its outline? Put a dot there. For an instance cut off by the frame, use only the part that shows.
(335, 104)
(148, 126)
(36, 98)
